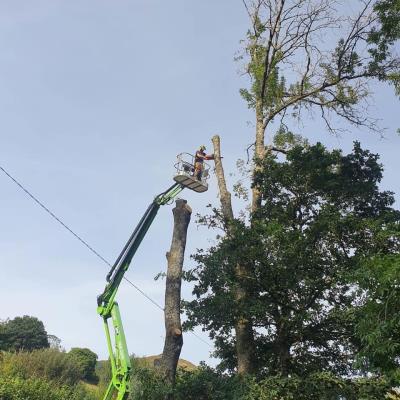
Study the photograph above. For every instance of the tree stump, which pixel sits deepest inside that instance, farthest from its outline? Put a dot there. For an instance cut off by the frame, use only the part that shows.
(172, 312)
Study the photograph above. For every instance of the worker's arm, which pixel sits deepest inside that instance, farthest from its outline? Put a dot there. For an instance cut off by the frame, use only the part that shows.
(201, 155)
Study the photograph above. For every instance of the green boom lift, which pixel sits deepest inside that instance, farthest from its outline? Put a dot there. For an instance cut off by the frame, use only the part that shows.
(107, 307)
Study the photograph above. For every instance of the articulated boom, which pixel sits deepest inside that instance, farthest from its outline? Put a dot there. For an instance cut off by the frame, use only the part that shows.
(108, 307)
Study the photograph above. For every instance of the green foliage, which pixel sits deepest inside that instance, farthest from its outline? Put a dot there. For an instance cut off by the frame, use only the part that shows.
(38, 389)
(86, 361)
(316, 387)
(147, 383)
(322, 215)
(48, 364)
(378, 322)
(206, 383)
(388, 31)
(385, 35)
(274, 86)
(285, 139)
(288, 71)
(103, 372)
(23, 333)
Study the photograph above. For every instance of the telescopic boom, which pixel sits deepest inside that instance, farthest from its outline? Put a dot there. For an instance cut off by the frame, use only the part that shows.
(108, 307)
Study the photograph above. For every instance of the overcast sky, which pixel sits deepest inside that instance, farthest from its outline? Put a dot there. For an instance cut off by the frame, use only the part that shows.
(96, 100)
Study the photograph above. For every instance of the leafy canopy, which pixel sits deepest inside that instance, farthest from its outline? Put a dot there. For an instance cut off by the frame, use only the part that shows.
(23, 333)
(322, 215)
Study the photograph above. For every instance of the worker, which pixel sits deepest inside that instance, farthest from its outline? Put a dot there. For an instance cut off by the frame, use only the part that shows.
(199, 161)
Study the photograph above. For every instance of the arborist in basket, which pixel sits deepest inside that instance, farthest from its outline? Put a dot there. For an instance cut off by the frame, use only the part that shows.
(199, 161)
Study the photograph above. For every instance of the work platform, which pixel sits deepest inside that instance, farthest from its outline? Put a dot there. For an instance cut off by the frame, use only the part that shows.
(185, 173)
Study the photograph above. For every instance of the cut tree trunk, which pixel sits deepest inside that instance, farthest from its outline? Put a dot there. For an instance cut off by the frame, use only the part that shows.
(172, 312)
(243, 325)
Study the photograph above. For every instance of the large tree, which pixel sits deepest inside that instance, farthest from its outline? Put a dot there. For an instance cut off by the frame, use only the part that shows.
(23, 333)
(378, 320)
(321, 215)
(304, 56)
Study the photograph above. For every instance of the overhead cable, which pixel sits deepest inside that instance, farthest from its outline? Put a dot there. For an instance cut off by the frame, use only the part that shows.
(84, 242)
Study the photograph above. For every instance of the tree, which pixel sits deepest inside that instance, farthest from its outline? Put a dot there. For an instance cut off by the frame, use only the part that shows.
(23, 333)
(291, 70)
(242, 322)
(54, 342)
(321, 216)
(86, 360)
(173, 328)
(378, 320)
(385, 35)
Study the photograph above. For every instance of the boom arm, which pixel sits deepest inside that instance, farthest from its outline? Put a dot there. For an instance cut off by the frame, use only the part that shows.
(108, 307)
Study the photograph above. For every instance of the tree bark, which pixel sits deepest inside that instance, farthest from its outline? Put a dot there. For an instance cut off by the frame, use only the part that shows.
(225, 196)
(259, 153)
(243, 324)
(173, 329)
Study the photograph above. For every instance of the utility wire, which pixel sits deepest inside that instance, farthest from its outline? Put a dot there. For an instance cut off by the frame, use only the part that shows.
(86, 244)
(37, 201)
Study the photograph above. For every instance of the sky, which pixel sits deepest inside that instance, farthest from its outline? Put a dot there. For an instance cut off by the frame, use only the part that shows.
(96, 100)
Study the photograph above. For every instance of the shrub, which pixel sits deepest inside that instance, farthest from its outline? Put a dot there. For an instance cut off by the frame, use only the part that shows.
(103, 372)
(49, 364)
(39, 389)
(315, 387)
(86, 360)
(146, 383)
(205, 383)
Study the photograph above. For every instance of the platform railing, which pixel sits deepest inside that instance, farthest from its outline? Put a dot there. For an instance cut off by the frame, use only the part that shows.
(185, 165)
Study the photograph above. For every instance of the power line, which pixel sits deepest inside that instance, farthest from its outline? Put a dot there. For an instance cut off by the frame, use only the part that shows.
(37, 201)
(86, 244)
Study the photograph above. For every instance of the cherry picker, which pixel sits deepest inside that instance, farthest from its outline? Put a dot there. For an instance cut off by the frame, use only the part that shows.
(107, 307)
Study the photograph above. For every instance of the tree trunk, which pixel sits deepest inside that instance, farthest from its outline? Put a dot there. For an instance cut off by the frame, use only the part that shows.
(243, 324)
(173, 328)
(282, 346)
(259, 153)
(225, 196)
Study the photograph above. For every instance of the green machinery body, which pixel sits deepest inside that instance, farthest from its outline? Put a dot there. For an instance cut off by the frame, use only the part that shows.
(108, 307)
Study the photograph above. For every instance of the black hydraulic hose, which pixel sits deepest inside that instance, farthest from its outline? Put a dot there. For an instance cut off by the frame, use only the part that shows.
(131, 239)
(133, 246)
(137, 229)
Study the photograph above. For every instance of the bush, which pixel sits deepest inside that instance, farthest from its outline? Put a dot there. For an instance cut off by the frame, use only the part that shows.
(146, 383)
(316, 387)
(103, 372)
(86, 360)
(48, 364)
(206, 384)
(39, 389)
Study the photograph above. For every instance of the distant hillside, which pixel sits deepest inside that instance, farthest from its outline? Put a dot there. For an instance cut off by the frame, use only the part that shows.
(149, 362)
